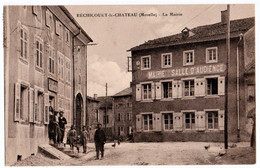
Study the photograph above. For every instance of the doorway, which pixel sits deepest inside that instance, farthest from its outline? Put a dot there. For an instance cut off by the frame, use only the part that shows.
(79, 110)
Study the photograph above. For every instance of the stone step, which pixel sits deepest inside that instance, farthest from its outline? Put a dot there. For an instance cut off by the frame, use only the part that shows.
(53, 152)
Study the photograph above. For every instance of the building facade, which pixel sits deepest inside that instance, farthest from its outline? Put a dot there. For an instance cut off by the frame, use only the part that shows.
(45, 65)
(122, 103)
(106, 115)
(179, 85)
(92, 115)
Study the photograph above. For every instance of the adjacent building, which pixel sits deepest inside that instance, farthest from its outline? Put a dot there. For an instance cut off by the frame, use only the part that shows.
(179, 84)
(122, 103)
(106, 115)
(45, 65)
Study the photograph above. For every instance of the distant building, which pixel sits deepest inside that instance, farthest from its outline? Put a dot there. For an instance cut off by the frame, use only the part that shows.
(123, 113)
(92, 114)
(106, 115)
(179, 84)
(45, 65)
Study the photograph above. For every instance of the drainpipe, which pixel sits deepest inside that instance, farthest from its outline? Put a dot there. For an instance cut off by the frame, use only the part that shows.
(238, 110)
(73, 71)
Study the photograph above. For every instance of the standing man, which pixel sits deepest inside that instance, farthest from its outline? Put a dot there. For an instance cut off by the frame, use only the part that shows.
(84, 138)
(62, 123)
(100, 140)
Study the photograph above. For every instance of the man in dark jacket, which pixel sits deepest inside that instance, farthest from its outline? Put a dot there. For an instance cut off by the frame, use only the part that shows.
(100, 140)
(62, 123)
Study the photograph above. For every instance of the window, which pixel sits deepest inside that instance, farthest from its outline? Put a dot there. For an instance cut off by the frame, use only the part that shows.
(37, 11)
(147, 91)
(129, 116)
(61, 66)
(212, 86)
(146, 62)
(67, 36)
(129, 104)
(51, 53)
(167, 89)
(211, 55)
(24, 103)
(212, 119)
(168, 121)
(58, 27)
(189, 120)
(23, 42)
(48, 18)
(106, 119)
(39, 53)
(120, 130)
(166, 60)
(119, 117)
(188, 57)
(251, 93)
(189, 88)
(148, 122)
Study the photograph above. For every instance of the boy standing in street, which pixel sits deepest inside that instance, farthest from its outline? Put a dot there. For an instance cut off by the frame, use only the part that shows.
(62, 123)
(100, 140)
(84, 138)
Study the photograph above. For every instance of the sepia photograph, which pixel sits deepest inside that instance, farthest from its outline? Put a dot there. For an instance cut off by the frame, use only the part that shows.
(129, 85)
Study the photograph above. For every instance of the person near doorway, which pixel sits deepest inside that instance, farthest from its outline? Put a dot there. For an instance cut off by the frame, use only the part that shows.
(100, 140)
(72, 137)
(84, 138)
(56, 127)
(51, 126)
(62, 123)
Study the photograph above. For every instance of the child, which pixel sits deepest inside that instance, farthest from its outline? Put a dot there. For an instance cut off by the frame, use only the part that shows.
(72, 136)
(84, 138)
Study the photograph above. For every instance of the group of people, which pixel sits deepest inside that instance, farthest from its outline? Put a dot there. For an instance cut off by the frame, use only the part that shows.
(57, 129)
(56, 126)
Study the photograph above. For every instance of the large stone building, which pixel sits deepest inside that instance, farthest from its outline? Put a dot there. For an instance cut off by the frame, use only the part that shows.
(122, 103)
(179, 84)
(45, 65)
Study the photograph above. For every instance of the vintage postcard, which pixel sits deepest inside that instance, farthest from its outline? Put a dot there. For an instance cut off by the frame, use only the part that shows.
(129, 85)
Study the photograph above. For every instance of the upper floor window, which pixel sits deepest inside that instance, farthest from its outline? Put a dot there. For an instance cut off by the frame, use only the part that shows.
(39, 53)
(212, 55)
(166, 60)
(189, 88)
(23, 42)
(145, 62)
(148, 122)
(147, 91)
(51, 54)
(67, 36)
(37, 11)
(129, 116)
(68, 71)
(61, 66)
(58, 27)
(188, 57)
(167, 89)
(49, 18)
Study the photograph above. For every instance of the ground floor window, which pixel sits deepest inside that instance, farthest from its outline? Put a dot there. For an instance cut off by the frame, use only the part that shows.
(212, 86)
(24, 103)
(212, 119)
(106, 119)
(148, 122)
(120, 130)
(168, 121)
(39, 107)
(189, 119)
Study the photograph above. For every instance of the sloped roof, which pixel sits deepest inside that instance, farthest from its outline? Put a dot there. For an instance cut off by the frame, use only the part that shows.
(125, 92)
(102, 101)
(92, 99)
(211, 32)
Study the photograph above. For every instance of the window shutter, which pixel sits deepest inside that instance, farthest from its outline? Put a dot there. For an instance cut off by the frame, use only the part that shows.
(174, 89)
(158, 90)
(221, 117)
(46, 109)
(17, 101)
(177, 121)
(138, 123)
(197, 88)
(138, 92)
(202, 87)
(36, 114)
(179, 87)
(221, 85)
(197, 120)
(202, 120)
(158, 122)
(31, 101)
(153, 91)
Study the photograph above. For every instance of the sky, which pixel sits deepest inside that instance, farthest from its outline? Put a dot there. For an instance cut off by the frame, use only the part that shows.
(107, 61)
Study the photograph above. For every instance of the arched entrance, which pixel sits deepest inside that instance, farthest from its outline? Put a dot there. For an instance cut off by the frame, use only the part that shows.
(79, 114)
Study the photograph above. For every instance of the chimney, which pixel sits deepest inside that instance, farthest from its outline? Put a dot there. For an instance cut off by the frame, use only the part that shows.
(95, 96)
(224, 16)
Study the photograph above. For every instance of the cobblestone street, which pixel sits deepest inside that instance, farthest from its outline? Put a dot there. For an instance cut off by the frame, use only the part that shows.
(166, 153)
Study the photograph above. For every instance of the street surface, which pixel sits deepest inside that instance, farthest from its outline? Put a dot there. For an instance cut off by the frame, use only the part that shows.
(164, 153)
